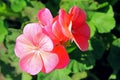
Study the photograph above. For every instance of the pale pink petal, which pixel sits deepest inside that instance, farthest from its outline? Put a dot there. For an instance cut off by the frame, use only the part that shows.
(31, 63)
(45, 17)
(50, 60)
(62, 54)
(32, 31)
(78, 16)
(45, 43)
(23, 46)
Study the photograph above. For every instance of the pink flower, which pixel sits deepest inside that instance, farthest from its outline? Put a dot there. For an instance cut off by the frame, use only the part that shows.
(37, 52)
(74, 26)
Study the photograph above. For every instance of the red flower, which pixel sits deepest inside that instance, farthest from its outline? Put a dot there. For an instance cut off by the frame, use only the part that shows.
(74, 26)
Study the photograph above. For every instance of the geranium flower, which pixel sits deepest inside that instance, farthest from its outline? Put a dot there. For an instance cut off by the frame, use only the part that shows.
(74, 26)
(67, 26)
(46, 19)
(37, 52)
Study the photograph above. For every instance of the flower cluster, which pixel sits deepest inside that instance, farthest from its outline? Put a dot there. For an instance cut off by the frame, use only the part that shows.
(40, 46)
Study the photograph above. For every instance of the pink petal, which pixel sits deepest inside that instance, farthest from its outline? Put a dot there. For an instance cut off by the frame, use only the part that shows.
(63, 56)
(78, 16)
(31, 63)
(65, 22)
(45, 16)
(81, 36)
(32, 31)
(50, 60)
(23, 46)
(45, 42)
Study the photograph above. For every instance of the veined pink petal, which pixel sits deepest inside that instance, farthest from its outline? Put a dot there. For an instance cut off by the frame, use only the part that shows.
(78, 16)
(31, 63)
(45, 17)
(62, 55)
(50, 60)
(81, 36)
(65, 22)
(32, 31)
(45, 43)
(23, 46)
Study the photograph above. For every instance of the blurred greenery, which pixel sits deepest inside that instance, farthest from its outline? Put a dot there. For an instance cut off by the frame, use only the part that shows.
(100, 62)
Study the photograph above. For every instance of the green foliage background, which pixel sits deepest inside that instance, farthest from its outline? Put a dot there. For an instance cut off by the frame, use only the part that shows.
(100, 62)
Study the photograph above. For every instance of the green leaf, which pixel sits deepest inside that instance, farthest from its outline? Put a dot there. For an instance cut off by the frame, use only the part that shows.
(37, 5)
(31, 12)
(114, 56)
(26, 76)
(76, 66)
(92, 28)
(6, 11)
(61, 74)
(79, 75)
(104, 22)
(98, 47)
(67, 4)
(10, 56)
(3, 30)
(17, 5)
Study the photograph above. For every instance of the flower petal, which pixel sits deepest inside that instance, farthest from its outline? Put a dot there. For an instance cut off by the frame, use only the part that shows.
(32, 31)
(31, 63)
(78, 16)
(81, 36)
(63, 56)
(57, 31)
(45, 42)
(45, 16)
(23, 46)
(50, 60)
(65, 22)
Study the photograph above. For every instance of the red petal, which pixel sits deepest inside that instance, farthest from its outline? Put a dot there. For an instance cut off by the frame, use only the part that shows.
(64, 18)
(81, 36)
(78, 16)
(57, 31)
(62, 55)
(66, 24)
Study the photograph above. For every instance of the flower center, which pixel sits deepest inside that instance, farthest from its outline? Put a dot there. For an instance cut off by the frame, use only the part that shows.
(36, 50)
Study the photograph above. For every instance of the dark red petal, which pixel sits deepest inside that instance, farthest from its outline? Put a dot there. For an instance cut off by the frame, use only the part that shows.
(62, 55)
(78, 16)
(81, 36)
